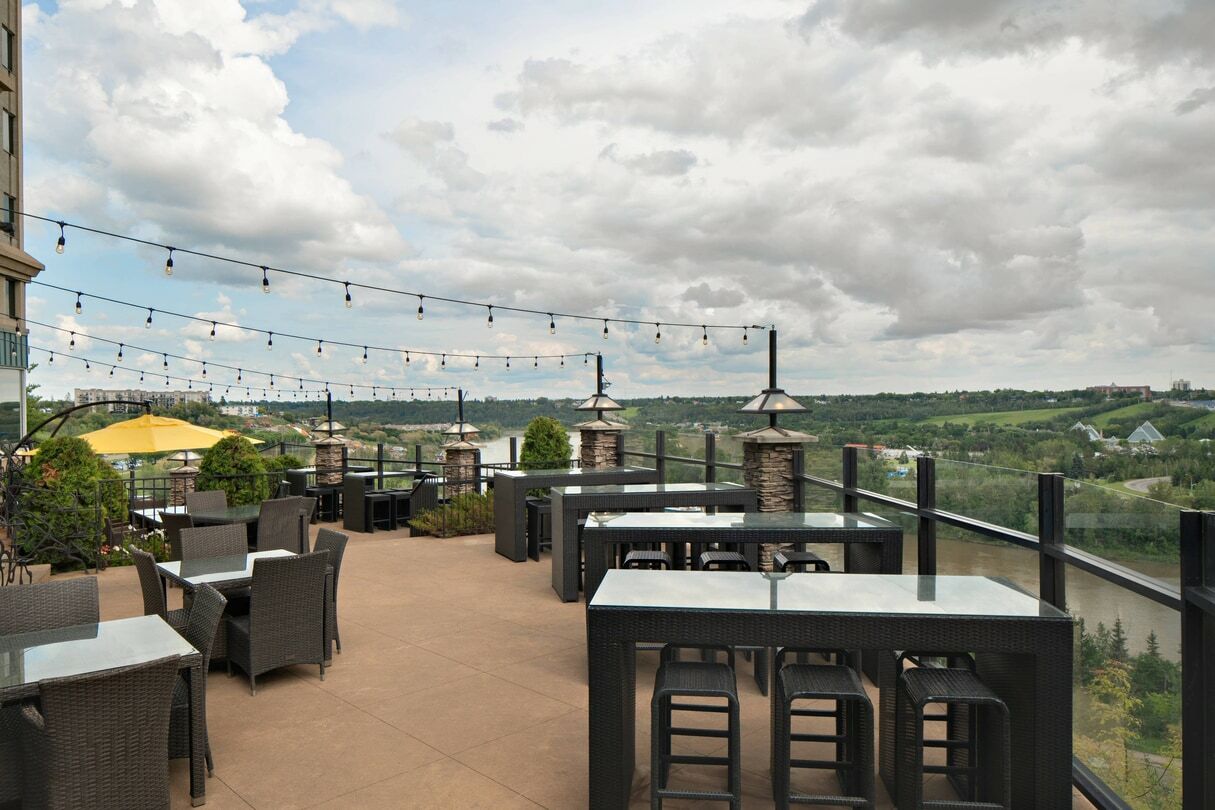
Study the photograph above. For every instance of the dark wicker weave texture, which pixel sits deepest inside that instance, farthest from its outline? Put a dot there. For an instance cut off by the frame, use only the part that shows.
(228, 540)
(286, 621)
(280, 524)
(153, 593)
(211, 500)
(101, 740)
(173, 524)
(334, 543)
(200, 630)
(701, 680)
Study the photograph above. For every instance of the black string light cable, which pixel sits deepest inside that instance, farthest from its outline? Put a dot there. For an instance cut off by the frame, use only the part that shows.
(241, 371)
(270, 334)
(348, 285)
(210, 385)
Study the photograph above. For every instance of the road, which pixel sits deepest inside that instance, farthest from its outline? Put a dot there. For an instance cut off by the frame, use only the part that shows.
(1144, 484)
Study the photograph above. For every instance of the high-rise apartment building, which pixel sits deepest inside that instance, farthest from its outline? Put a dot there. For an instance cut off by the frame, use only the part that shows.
(158, 399)
(16, 266)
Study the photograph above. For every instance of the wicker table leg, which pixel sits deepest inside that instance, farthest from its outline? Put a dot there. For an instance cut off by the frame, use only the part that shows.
(612, 709)
(197, 679)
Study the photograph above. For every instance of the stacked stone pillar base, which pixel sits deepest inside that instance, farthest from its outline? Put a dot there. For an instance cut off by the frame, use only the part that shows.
(181, 481)
(329, 461)
(768, 469)
(459, 470)
(599, 447)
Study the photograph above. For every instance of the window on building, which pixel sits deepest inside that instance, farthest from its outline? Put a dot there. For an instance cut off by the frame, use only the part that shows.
(8, 42)
(11, 291)
(8, 214)
(9, 126)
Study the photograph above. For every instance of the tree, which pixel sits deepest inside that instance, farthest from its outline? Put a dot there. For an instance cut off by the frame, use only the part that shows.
(546, 445)
(1118, 650)
(231, 464)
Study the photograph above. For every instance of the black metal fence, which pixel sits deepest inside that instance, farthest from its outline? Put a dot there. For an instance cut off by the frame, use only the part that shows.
(1193, 600)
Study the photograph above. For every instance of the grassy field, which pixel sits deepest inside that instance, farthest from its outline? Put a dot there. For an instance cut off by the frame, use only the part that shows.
(1103, 420)
(1000, 417)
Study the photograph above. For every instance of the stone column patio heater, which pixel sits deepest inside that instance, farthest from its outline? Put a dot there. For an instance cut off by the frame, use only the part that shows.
(183, 478)
(460, 455)
(768, 451)
(329, 469)
(598, 436)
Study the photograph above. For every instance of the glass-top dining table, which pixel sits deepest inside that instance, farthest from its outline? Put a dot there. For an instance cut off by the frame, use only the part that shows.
(1022, 648)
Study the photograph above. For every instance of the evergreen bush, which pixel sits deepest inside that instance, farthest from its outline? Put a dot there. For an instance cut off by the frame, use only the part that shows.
(233, 465)
(284, 462)
(546, 445)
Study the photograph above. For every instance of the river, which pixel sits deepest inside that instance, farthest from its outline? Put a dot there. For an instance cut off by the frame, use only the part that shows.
(1088, 597)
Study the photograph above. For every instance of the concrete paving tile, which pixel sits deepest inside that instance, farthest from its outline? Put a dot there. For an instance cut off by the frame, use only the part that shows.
(469, 712)
(560, 675)
(445, 783)
(493, 647)
(219, 795)
(546, 763)
(376, 676)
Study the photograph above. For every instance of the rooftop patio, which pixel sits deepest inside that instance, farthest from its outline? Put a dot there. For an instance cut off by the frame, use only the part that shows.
(461, 684)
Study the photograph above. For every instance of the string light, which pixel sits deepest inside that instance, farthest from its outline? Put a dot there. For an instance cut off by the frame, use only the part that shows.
(77, 303)
(62, 239)
(52, 359)
(508, 361)
(563, 361)
(605, 329)
(444, 363)
(477, 365)
(111, 371)
(704, 338)
(535, 362)
(407, 359)
(490, 321)
(269, 341)
(349, 301)
(318, 349)
(421, 312)
(169, 263)
(364, 355)
(72, 344)
(744, 336)
(265, 280)
(141, 376)
(166, 356)
(148, 323)
(212, 330)
(204, 369)
(120, 352)
(585, 359)
(552, 324)
(87, 367)
(240, 371)
(658, 333)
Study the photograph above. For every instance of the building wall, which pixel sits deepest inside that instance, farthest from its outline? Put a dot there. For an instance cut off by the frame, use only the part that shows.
(159, 399)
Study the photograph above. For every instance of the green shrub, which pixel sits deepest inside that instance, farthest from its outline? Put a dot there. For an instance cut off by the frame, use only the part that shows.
(152, 542)
(469, 513)
(68, 493)
(231, 464)
(546, 445)
(280, 463)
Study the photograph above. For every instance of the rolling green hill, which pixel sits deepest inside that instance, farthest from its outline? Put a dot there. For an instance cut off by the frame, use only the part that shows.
(1001, 417)
(1136, 411)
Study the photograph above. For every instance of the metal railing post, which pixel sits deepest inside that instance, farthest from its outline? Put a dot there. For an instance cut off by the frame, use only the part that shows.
(1197, 659)
(926, 527)
(514, 452)
(619, 449)
(660, 455)
(379, 465)
(417, 458)
(345, 459)
(710, 458)
(799, 485)
(1052, 571)
(282, 448)
(850, 478)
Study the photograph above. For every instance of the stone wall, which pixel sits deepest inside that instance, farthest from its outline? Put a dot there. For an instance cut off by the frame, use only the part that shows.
(460, 470)
(181, 481)
(328, 463)
(598, 449)
(768, 469)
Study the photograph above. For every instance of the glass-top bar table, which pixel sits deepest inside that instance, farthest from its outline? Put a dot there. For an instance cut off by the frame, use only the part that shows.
(510, 498)
(872, 544)
(1022, 646)
(27, 658)
(571, 501)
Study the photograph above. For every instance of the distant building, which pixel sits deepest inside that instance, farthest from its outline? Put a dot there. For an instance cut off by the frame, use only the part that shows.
(1146, 432)
(1090, 431)
(1181, 385)
(1144, 391)
(238, 410)
(159, 399)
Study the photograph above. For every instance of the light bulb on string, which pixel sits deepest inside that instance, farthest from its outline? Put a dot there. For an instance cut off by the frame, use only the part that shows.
(364, 355)
(704, 339)
(52, 359)
(212, 330)
(605, 329)
(265, 279)
(535, 362)
(744, 336)
(585, 359)
(349, 301)
(489, 323)
(87, 367)
(552, 324)
(141, 376)
(421, 312)
(269, 341)
(169, 263)
(373, 396)
(120, 352)
(508, 361)
(658, 333)
(72, 343)
(318, 348)
(238, 375)
(78, 303)
(62, 239)
(352, 392)
(443, 364)
(204, 370)
(111, 371)
(148, 323)
(271, 380)
(563, 361)
(406, 359)
(166, 357)
(166, 381)
(477, 364)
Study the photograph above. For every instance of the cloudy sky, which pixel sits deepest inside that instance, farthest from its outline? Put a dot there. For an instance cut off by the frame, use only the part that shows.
(920, 194)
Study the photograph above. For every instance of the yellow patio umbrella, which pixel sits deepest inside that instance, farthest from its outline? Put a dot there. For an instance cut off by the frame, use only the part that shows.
(152, 434)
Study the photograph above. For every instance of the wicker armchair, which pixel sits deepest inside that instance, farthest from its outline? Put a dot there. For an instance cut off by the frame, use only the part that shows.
(28, 609)
(211, 500)
(280, 524)
(286, 620)
(101, 740)
(153, 593)
(116, 534)
(335, 544)
(205, 614)
(173, 523)
(228, 540)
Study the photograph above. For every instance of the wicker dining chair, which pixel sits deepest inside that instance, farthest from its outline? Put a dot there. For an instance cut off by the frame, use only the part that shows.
(228, 540)
(173, 523)
(335, 544)
(153, 593)
(210, 500)
(29, 609)
(280, 524)
(206, 611)
(122, 713)
(286, 620)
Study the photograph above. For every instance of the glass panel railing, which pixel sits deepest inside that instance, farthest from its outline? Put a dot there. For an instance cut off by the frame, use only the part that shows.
(888, 471)
(1131, 530)
(963, 552)
(1127, 699)
(1000, 495)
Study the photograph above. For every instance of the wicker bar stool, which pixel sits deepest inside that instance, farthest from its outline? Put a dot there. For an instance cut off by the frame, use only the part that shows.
(852, 713)
(648, 560)
(978, 766)
(539, 526)
(722, 561)
(378, 509)
(698, 679)
(785, 559)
